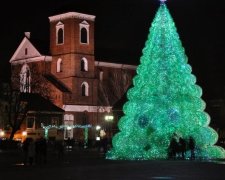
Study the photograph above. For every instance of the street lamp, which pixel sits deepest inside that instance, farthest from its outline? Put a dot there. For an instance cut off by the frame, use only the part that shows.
(24, 133)
(2, 133)
(109, 119)
(98, 127)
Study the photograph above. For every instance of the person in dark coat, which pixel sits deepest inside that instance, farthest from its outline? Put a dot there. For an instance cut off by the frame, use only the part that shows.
(182, 147)
(173, 148)
(43, 150)
(191, 145)
(25, 150)
(31, 151)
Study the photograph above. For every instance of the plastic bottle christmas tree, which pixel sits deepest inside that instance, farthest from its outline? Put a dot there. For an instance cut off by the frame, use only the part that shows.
(164, 101)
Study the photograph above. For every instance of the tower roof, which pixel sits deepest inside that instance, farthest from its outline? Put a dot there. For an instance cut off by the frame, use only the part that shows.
(70, 15)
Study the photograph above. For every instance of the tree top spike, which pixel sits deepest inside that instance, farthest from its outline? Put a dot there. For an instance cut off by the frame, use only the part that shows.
(162, 1)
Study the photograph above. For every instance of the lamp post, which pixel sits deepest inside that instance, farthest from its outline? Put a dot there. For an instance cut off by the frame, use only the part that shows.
(109, 119)
(2, 133)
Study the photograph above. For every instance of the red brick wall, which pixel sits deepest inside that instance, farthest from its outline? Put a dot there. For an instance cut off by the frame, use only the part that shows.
(71, 52)
(71, 66)
(71, 38)
(76, 96)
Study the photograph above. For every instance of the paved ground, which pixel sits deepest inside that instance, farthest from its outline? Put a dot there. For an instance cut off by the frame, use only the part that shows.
(91, 165)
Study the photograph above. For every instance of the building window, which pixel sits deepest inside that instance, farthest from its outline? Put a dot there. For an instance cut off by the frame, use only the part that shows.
(60, 36)
(30, 123)
(84, 89)
(68, 117)
(84, 32)
(68, 122)
(26, 51)
(55, 121)
(83, 38)
(25, 79)
(101, 75)
(84, 64)
(59, 65)
(60, 33)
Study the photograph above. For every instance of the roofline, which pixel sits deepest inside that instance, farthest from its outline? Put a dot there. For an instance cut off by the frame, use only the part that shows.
(46, 112)
(115, 65)
(71, 15)
(82, 108)
(32, 59)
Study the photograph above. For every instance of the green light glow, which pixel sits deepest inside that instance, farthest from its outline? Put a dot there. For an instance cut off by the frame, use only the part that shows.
(164, 100)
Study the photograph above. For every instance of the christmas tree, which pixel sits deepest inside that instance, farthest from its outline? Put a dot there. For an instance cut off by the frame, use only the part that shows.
(164, 102)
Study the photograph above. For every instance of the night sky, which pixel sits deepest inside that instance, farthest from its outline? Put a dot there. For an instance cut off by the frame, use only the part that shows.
(121, 30)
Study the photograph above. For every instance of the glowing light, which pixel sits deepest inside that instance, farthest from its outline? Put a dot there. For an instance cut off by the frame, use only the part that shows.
(109, 118)
(98, 138)
(162, 1)
(66, 126)
(2, 133)
(24, 133)
(164, 100)
(98, 127)
(102, 133)
(46, 128)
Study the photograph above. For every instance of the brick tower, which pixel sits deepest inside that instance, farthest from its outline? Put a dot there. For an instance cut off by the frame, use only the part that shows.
(72, 50)
(73, 64)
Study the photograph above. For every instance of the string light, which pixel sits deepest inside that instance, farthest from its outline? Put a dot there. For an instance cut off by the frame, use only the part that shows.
(68, 127)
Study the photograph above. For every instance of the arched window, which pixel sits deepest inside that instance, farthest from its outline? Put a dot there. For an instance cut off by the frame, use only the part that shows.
(101, 75)
(84, 64)
(25, 79)
(83, 37)
(59, 65)
(59, 33)
(60, 36)
(84, 32)
(84, 89)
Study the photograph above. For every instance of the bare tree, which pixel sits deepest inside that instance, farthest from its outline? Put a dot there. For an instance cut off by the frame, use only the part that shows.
(16, 110)
(37, 83)
(112, 89)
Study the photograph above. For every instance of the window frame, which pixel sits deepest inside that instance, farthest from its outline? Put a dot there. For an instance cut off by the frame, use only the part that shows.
(85, 91)
(86, 26)
(60, 26)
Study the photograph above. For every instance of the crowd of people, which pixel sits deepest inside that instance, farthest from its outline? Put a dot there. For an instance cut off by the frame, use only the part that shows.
(179, 146)
(35, 151)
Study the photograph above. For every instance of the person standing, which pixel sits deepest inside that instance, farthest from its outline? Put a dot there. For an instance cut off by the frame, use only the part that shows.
(182, 147)
(25, 151)
(192, 147)
(43, 150)
(173, 148)
(31, 152)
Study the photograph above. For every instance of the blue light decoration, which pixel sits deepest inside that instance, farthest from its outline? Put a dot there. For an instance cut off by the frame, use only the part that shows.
(165, 100)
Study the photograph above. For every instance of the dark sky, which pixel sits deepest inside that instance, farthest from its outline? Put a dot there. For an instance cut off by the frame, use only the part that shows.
(121, 30)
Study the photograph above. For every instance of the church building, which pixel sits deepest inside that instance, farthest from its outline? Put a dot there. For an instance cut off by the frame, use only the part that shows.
(69, 75)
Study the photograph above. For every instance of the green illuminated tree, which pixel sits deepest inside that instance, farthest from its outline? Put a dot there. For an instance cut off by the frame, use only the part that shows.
(164, 101)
